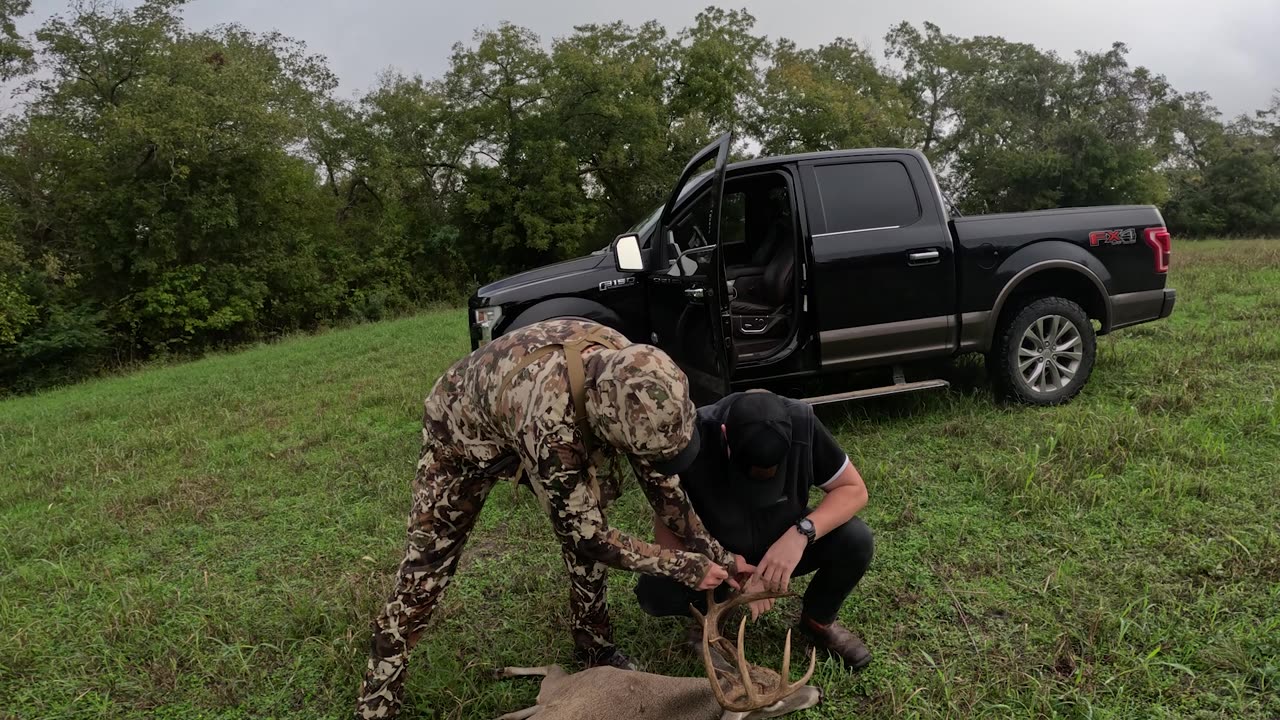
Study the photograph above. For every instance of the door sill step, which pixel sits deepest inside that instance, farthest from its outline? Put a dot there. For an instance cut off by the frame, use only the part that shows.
(896, 389)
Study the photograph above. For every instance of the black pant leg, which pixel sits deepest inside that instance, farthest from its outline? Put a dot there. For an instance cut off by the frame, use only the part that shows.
(664, 597)
(840, 559)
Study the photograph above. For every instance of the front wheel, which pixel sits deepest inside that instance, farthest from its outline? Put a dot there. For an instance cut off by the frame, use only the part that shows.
(1043, 354)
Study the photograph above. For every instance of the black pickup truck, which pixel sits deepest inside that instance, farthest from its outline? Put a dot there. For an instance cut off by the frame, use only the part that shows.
(781, 269)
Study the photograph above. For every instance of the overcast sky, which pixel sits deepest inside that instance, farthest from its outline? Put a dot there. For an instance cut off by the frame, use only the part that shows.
(1230, 48)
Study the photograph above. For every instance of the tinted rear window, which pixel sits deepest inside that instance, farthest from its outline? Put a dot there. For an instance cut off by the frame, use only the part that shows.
(860, 196)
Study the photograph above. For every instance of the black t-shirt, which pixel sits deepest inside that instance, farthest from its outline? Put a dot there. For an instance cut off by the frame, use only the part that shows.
(714, 485)
(829, 458)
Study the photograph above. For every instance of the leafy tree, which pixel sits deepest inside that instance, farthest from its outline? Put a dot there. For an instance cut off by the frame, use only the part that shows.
(1269, 121)
(612, 85)
(154, 168)
(1234, 191)
(935, 71)
(1224, 179)
(166, 191)
(16, 310)
(16, 56)
(718, 65)
(1017, 128)
(829, 98)
(524, 203)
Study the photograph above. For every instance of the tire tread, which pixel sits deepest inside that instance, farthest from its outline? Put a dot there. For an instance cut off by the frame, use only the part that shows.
(1002, 368)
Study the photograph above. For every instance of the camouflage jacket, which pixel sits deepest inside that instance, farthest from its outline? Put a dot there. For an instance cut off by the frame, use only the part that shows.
(533, 419)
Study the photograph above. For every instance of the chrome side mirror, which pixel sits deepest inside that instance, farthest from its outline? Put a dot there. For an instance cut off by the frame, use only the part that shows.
(626, 254)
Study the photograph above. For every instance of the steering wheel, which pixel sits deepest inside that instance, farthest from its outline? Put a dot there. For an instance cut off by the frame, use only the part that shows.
(697, 239)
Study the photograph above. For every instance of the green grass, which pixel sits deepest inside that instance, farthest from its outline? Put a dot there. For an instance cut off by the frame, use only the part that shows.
(212, 539)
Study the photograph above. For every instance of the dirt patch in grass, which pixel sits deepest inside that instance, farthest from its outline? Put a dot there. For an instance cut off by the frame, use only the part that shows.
(191, 497)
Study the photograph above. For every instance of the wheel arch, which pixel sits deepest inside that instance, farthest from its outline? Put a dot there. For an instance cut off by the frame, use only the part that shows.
(1059, 277)
(568, 307)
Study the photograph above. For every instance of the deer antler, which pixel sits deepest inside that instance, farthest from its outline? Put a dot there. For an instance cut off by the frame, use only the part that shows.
(711, 635)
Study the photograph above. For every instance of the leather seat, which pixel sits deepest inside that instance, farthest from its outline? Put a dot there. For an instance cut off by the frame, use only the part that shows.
(764, 287)
(774, 290)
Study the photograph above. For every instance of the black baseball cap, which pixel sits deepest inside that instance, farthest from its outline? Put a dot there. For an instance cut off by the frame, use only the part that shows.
(758, 431)
(682, 461)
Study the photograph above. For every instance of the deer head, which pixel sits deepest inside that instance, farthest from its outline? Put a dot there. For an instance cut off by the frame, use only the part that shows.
(754, 687)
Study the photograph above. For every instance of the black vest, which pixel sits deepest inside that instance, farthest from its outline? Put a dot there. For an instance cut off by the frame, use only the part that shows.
(714, 485)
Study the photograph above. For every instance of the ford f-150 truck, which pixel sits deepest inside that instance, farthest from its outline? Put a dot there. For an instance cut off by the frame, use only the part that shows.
(784, 268)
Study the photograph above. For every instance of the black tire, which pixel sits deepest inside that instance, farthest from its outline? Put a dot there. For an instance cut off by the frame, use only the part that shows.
(1016, 342)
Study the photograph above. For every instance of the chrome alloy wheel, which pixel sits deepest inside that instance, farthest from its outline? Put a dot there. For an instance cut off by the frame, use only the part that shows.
(1049, 354)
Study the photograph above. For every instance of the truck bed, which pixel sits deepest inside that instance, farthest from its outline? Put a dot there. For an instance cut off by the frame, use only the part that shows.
(1063, 223)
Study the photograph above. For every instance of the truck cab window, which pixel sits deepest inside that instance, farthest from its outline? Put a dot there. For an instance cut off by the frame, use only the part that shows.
(733, 222)
(866, 196)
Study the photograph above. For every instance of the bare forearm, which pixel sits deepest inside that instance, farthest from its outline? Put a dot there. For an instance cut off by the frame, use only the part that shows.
(838, 507)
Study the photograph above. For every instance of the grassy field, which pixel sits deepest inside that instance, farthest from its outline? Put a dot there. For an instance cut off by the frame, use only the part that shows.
(211, 539)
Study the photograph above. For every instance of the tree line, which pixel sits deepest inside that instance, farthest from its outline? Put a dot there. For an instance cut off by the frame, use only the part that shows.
(165, 190)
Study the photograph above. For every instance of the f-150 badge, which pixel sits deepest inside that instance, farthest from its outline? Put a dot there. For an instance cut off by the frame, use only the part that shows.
(1125, 236)
(610, 284)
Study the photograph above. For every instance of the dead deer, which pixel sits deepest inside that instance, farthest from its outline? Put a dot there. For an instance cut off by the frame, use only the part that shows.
(737, 689)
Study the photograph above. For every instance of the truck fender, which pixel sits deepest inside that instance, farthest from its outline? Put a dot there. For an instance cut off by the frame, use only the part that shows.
(1044, 255)
(568, 307)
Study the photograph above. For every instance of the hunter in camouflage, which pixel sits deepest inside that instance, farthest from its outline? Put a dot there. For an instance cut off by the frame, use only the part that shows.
(509, 407)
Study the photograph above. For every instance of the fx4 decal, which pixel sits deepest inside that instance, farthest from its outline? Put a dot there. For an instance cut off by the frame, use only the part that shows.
(1127, 236)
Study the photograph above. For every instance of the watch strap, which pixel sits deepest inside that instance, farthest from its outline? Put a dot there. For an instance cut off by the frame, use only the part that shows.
(805, 527)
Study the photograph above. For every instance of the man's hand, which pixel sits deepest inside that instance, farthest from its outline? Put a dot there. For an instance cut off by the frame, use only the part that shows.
(742, 571)
(759, 607)
(715, 575)
(777, 565)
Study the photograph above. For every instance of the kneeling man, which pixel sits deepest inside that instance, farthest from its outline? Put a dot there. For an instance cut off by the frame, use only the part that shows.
(760, 456)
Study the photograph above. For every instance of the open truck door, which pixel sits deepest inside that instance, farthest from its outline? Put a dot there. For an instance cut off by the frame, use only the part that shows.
(688, 305)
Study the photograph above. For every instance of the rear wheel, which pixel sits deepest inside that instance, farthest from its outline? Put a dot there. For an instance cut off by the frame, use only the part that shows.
(1043, 352)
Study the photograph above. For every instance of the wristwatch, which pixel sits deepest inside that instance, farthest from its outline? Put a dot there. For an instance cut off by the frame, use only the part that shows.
(805, 526)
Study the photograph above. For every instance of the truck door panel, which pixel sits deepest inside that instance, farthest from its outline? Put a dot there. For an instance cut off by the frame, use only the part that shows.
(884, 276)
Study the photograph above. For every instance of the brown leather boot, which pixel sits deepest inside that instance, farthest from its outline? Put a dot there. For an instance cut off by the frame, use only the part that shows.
(838, 640)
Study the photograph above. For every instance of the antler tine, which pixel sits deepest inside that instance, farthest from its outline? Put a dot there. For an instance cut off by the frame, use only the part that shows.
(784, 688)
(786, 668)
(784, 677)
(743, 599)
(744, 669)
(711, 667)
(813, 660)
(711, 634)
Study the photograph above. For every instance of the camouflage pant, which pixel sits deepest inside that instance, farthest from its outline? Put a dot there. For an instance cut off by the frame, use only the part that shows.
(447, 498)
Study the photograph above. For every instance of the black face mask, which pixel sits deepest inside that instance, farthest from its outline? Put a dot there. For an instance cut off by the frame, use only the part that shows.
(758, 428)
(758, 433)
(759, 490)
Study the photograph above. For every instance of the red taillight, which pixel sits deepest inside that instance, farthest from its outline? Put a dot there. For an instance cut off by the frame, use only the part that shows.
(1161, 244)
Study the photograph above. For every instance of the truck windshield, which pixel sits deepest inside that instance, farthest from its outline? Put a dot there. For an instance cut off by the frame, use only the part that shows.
(645, 226)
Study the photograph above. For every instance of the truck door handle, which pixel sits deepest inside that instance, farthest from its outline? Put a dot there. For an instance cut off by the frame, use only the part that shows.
(923, 257)
(696, 293)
